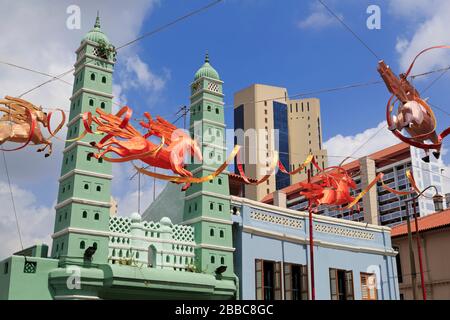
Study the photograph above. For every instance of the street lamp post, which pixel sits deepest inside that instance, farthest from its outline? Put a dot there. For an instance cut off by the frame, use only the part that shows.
(411, 253)
(311, 245)
(437, 200)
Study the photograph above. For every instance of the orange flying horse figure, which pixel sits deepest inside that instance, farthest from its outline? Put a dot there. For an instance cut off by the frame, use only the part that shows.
(169, 154)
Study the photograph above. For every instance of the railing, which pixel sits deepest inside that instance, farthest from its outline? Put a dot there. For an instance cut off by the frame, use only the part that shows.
(151, 244)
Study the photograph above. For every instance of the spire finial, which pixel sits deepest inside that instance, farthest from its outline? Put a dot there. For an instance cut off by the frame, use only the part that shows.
(207, 57)
(97, 20)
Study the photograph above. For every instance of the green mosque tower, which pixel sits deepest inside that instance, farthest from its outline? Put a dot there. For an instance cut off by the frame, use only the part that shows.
(207, 205)
(84, 186)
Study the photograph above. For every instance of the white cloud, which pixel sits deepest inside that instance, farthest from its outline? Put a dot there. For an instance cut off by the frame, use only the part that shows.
(429, 20)
(339, 146)
(318, 18)
(138, 75)
(35, 220)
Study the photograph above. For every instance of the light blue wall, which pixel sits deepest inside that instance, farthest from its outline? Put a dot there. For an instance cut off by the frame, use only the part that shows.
(357, 254)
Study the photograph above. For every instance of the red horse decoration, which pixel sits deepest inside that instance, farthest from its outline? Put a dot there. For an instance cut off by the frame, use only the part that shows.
(132, 145)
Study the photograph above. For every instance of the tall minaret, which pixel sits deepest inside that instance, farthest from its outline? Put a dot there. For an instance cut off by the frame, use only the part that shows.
(207, 205)
(82, 211)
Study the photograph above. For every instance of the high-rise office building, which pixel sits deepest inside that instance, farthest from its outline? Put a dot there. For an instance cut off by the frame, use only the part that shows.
(266, 120)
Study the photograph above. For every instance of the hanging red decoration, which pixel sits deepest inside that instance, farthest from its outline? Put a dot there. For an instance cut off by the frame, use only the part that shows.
(413, 113)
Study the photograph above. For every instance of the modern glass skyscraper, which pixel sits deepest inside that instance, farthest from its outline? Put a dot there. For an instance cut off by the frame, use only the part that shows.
(266, 120)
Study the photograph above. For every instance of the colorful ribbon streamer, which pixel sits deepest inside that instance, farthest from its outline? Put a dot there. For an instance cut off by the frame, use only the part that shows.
(272, 167)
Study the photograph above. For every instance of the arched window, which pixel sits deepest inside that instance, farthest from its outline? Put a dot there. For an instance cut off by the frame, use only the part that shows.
(85, 214)
(220, 207)
(220, 181)
(91, 102)
(99, 188)
(213, 259)
(211, 206)
(221, 234)
(86, 186)
(82, 245)
(89, 156)
(217, 110)
(222, 260)
(103, 79)
(95, 245)
(97, 216)
(93, 76)
(209, 108)
(102, 105)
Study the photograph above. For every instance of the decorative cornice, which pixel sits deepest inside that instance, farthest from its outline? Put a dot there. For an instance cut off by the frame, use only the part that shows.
(74, 119)
(208, 78)
(82, 201)
(207, 219)
(304, 215)
(207, 99)
(320, 243)
(206, 168)
(212, 145)
(85, 173)
(78, 64)
(215, 247)
(208, 121)
(206, 193)
(95, 92)
(76, 143)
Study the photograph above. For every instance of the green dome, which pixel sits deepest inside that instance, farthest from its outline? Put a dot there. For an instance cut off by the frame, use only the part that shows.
(206, 70)
(96, 34)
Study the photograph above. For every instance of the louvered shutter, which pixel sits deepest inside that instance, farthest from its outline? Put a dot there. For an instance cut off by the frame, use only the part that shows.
(259, 279)
(277, 281)
(349, 285)
(288, 281)
(333, 284)
(304, 282)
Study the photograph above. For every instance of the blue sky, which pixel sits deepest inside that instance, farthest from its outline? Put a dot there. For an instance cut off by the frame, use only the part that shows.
(293, 44)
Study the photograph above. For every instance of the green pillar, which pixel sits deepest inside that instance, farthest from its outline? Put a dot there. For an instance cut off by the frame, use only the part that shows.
(82, 210)
(207, 205)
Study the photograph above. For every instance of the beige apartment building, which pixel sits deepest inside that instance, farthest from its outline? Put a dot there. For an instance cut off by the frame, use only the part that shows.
(266, 120)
